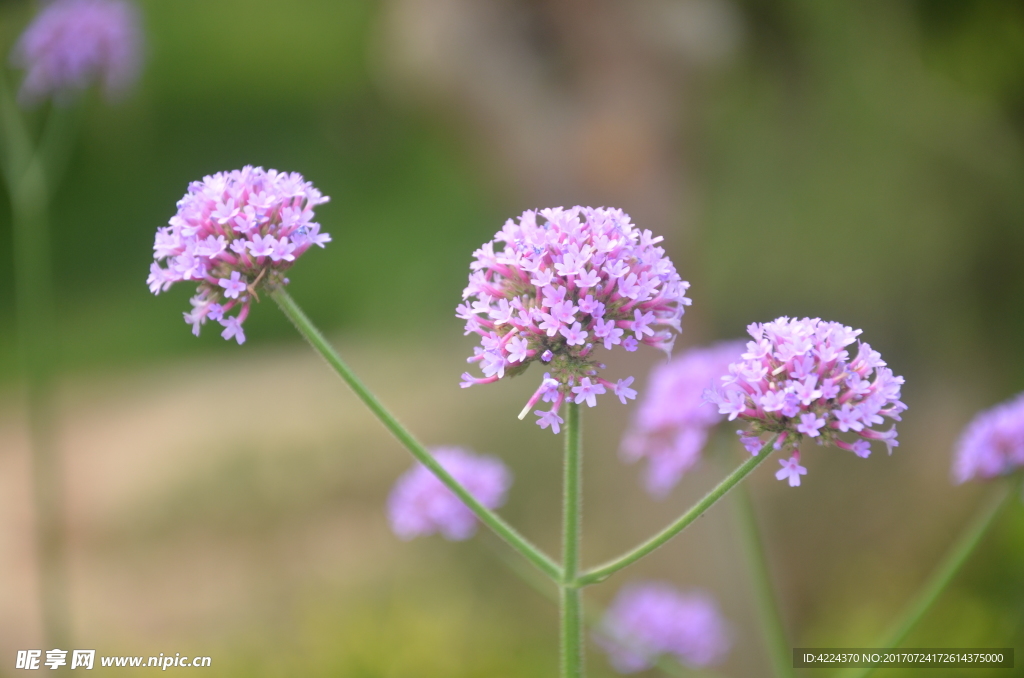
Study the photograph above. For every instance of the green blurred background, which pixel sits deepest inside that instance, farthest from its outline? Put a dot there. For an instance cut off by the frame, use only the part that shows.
(857, 161)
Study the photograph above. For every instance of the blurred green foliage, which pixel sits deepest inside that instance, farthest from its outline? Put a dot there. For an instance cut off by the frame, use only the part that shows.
(282, 86)
(859, 160)
(847, 177)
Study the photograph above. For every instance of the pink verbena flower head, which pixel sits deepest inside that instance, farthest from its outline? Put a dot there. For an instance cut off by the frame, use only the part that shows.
(648, 620)
(419, 504)
(558, 285)
(797, 380)
(235, 233)
(72, 43)
(672, 422)
(992, 444)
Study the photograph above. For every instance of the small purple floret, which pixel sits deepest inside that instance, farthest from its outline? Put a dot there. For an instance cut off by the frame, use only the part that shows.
(587, 392)
(549, 418)
(623, 390)
(791, 470)
(233, 286)
(232, 328)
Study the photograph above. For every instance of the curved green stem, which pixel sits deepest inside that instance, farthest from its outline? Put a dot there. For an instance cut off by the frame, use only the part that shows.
(943, 574)
(602, 572)
(489, 518)
(779, 649)
(569, 593)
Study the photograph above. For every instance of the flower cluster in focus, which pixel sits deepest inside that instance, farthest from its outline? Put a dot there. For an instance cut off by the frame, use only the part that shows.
(992, 444)
(558, 284)
(797, 380)
(72, 43)
(671, 424)
(419, 504)
(649, 620)
(234, 233)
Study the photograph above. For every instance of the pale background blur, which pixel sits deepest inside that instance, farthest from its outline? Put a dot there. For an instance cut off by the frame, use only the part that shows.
(857, 161)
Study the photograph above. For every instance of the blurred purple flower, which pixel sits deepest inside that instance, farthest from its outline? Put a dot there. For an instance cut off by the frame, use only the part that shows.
(72, 43)
(419, 504)
(797, 379)
(267, 218)
(556, 290)
(992, 444)
(672, 421)
(647, 620)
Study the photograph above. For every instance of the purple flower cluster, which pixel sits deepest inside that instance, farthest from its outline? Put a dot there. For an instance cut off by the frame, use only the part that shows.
(419, 504)
(992, 444)
(648, 620)
(797, 380)
(74, 42)
(671, 424)
(554, 291)
(234, 233)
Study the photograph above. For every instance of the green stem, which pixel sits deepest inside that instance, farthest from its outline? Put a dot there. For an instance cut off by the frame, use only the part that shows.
(570, 602)
(25, 174)
(602, 572)
(943, 574)
(767, 607)
(56, 142)
(492, 520)
(16, 151)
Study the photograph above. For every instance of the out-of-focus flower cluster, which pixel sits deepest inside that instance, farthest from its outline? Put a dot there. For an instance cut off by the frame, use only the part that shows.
(992, 444)
(672, 421)
(797, 380)
(648, 620)
(72, 43)
(419, 504)
(555, 290)
(235, 233)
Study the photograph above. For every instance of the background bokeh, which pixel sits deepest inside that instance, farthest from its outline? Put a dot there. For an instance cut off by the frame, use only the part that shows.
(857, 161)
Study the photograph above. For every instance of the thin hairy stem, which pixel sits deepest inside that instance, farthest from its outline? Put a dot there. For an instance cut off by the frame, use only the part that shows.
(569, 593)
